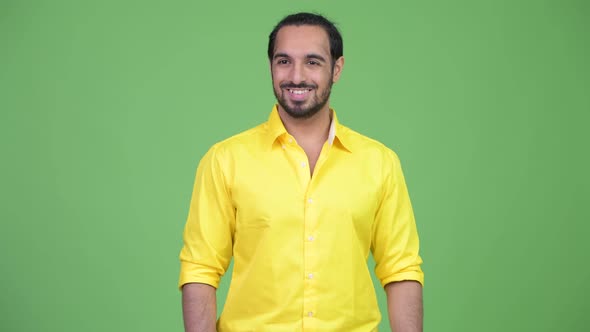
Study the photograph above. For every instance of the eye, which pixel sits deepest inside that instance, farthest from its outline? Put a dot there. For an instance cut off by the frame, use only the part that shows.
(282, 61)
(313, 62)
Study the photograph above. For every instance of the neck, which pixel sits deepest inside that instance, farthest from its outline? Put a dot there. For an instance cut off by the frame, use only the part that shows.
(313, 130)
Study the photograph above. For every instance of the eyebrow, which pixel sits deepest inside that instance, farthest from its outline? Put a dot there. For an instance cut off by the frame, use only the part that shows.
(308, 56)
(316, 56)
(281, 55)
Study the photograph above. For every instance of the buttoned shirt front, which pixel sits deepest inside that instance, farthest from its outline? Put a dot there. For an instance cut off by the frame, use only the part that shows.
(300, 242)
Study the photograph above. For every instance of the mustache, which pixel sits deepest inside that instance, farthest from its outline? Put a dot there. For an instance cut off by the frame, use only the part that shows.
(298, 86)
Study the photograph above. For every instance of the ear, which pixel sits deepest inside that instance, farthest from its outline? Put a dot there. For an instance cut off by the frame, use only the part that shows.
(338, 66)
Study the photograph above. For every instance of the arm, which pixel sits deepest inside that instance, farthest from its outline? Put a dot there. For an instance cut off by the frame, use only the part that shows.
(404, 304)
(207, 248)
(199, 307)
(396, 251)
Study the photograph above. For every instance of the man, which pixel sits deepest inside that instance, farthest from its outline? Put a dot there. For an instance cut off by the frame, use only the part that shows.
(299, 202)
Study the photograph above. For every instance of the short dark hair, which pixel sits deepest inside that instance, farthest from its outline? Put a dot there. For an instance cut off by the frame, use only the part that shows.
(299, 19)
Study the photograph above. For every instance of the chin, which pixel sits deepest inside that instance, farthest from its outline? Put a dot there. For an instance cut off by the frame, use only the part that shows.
(301, 113)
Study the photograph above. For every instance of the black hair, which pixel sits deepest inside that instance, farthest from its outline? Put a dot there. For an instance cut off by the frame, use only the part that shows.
(300, 19)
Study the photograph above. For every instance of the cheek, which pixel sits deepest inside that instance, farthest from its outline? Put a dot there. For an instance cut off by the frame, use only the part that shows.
(276, 80)
(275, 85)
(277, 73)
(324, 80)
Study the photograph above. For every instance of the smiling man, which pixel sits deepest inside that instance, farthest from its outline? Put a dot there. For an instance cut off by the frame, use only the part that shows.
(300, 202)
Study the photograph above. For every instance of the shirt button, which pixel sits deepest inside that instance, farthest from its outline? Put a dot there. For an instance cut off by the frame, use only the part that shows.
(303, 164)
(310, 238)
(310, 314)
(283, 146)
(310, 276)
(309, 200)
(290, 140)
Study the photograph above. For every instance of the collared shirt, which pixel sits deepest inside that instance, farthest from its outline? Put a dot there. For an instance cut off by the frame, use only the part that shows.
(300, 242)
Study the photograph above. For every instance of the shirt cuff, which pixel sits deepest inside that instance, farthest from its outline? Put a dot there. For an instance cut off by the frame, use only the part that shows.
(403, 276)
(197, 273)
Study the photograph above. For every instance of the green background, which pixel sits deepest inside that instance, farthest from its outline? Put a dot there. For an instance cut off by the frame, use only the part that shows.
(107, 106)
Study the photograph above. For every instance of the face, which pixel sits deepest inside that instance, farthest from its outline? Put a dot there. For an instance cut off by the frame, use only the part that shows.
(302, 71)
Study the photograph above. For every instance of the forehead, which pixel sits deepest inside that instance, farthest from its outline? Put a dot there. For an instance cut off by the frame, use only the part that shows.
(301, 40)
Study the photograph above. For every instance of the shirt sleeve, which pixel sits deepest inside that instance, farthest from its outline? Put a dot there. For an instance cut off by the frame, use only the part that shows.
(395, 243)
(210, 225)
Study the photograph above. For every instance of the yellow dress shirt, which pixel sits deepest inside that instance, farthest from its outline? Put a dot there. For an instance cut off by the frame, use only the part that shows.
(300, 243)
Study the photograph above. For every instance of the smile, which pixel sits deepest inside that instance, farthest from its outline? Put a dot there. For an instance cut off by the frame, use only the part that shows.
(299, 91)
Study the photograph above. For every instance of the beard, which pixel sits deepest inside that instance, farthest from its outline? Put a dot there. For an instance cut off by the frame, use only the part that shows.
(299, 110)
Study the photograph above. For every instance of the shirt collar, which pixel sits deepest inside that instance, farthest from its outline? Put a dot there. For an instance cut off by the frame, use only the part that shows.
(337, 132)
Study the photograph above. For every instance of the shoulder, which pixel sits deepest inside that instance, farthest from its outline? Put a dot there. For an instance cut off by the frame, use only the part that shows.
(368, 147)
(243, 141)
(382, 161)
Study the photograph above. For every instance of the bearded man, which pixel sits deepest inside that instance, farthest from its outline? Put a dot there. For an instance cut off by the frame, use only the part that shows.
(300, 202)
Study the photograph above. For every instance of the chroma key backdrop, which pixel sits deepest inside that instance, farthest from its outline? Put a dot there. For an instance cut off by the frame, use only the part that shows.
(106, 108)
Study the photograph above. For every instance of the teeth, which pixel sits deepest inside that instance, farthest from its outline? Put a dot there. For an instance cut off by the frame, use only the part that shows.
(298, 92)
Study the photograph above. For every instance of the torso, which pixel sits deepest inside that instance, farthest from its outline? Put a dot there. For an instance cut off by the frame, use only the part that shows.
(313, 153)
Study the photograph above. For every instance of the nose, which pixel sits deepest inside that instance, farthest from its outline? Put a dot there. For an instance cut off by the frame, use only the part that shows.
(298, 73)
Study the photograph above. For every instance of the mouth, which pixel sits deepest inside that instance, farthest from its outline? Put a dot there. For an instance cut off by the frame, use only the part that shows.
(298, 93)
